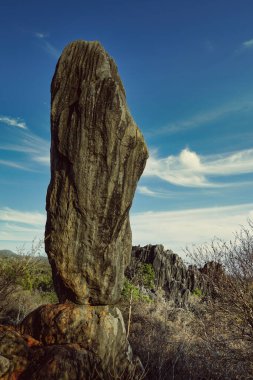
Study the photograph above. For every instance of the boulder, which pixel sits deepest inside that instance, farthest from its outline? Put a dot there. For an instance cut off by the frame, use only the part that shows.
(24, 358)
(15, 351)
(63, 362)
(97, 156)
(92, 331)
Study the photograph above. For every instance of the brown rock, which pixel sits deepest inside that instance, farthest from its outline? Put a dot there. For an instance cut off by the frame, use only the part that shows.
(63, 362)
(97, 157)
(88, 331)
(15, 352)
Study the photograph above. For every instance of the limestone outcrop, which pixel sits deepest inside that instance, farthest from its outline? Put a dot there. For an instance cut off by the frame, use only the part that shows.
(97, 156)
(171, 274)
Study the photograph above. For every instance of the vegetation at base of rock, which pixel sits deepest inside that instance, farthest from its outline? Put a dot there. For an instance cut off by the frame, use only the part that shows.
(135, 292)
(140, 283)
(25, 283)
(169, 273)
(146, 276)
(211, 338)
(197, 292)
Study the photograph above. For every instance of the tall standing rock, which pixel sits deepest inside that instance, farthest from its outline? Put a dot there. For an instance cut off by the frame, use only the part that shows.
(97, 157)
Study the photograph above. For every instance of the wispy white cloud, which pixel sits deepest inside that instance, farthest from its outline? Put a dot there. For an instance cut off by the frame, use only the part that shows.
(248, 44)
(14, 122)
(192, 170)
(12, 227)
(144, 190)
(41, 35)
(204, 118)
(31, 218)
(177, 229)
(174, 229)
(35, 149)
(17, 227)
(13, 165)
(45, 160)
(47, 46)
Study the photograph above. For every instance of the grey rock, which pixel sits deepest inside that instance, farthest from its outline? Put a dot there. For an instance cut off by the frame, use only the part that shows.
(97, 156)
(171, 274)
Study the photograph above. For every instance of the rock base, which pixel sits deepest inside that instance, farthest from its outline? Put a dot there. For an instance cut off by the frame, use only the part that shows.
(68, 342)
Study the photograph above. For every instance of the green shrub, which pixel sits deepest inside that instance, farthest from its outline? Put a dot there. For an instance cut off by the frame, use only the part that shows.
(132, 291)
(147, 276)
(197, 292)
(25, 283)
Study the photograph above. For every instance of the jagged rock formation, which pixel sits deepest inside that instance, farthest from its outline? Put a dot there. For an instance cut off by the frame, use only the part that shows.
(97, 157)
(171, 274)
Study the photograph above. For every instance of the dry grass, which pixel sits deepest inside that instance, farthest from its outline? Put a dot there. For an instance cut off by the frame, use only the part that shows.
(188, 344)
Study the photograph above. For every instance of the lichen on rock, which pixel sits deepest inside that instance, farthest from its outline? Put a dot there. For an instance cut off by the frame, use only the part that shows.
(97, 156)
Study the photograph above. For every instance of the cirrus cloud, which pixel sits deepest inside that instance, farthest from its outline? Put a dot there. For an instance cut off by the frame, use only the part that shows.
(14, 122)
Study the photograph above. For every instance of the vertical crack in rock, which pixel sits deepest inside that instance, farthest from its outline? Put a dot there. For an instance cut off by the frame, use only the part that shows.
(97, 156)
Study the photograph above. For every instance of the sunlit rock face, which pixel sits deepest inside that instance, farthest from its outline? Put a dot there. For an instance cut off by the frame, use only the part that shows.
(97, 156)
(91, 337)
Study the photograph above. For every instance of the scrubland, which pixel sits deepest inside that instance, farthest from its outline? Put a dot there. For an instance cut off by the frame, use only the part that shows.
(211, 338)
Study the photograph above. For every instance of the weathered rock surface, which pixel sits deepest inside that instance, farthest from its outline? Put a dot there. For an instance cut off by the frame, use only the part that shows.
(63, 362)
(68, 342)
(99, 329)
(24, 358)
(171, 274)
(14, 352)
(4, 365)
(97, 157)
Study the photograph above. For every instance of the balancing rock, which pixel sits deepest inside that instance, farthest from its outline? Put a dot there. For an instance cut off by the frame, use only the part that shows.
(97, 156)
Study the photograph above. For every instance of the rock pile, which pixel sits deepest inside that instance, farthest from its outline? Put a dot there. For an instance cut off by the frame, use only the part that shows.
(97, 157)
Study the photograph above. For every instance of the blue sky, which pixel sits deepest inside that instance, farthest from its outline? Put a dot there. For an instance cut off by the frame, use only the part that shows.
(187, 69)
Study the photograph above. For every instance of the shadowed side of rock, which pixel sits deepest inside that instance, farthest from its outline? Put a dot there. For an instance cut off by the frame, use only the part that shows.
(97, 157)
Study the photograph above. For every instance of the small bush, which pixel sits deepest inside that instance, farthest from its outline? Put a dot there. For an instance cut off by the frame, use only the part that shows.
(25, 283)
(197, 292)
(134, 292)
